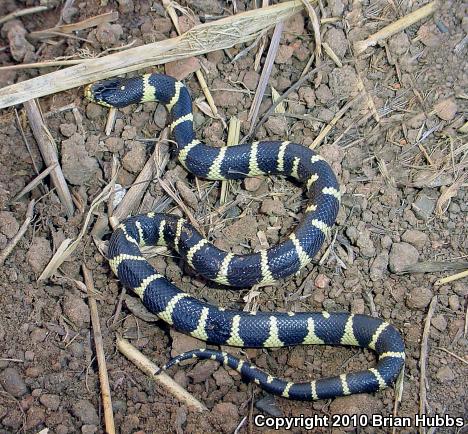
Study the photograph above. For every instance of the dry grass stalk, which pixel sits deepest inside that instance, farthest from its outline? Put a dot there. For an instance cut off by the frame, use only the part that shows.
(395, 27)
(201, 39)
(232, 139)
(453, 355)
(35, 182)
(150, 369)
(332, 54)
(451, 278)
(100, 356)
(108, 17)
(22, 230)
(110, 121)
(22, 13)
(316, 26)
(48, 149)
(279, 107)
(150, 171)
(265, 76)
(423, 359)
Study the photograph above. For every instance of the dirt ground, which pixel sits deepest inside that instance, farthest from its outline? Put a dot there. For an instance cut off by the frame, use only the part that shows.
(402, 163)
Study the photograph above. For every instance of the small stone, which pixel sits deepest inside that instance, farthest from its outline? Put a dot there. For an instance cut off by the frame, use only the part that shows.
(423, 206)
(308, 95)
(203, 370)
(276, 125)
(78, 167)
(114, 144)
(94, 111)
(12, 382)
(68, 129)
(181, 69)
(89, 429)
(454, 302)
(251, 79)
(252, 184)
(85, 412)
(182, 343)
(445, 374)
(323, 93)
(223, 378)
(337, 41)
(321, 281)
(417, 238)
(446, 109)
(356, 404)
(296, 358)
(358, 306)
(125, 6)
(268, 405)
(108, 34)
(8, 224)
(227, 415)
(29, 355)
(419, 298)
(284, 53)
(337, 7)
(76, 310)
(365, 244)
(50, 401)
(402, 256)
(399, 43)
(272, 207)
(38, 335)
(324, 114)
(34, 417)
(294, 27)
(439, 322)
(135, 159)
(187, 195)
(379, 266)
(39, 254)
(343, 82)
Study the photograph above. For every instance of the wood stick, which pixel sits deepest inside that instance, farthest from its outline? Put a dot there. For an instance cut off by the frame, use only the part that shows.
(451, 278)
(22, 230)
(149, 368)
(395, 27)
(73, 27)
(22, 12)
(232, 139)
(35, 182)
(423, 359)
(201, 39)
(100, 356)
(48, 149)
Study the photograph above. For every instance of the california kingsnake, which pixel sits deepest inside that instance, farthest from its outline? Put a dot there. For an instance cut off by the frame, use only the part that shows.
(230, 327)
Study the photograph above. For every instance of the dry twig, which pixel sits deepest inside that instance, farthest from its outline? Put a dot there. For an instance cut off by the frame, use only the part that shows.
(451, 278)
(100, 356)
(23, 12)
(149, 368)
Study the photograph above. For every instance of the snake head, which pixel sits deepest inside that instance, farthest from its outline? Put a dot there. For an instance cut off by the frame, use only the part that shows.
(115, 92)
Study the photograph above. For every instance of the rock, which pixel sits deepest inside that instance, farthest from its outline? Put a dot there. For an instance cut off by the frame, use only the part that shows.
(337, 41)
(85, 412)
(276, 125)
(50, 401)
(294, 27)
(68, 129)
(321, 281)
(114, 144)
(323, 93)
(358, 306)
(379, 266)
(423, 205)
(445, 375)
(268, 405)
(108, 34)
(337, 7)
(252, 184)
(401, 256)
(454, 302)
(12, 382)
(227, 416)
(203, 370)
(34, 417)
(94, 111)
(439, 322)
(324, 114)
(187, 195)
(284, 53)
(20, 49)
(182, 68)
(38, 335)
(429, 35)
(76, 310)
(296, 358)
(356, 404)
(343, 82)
(446, 109)
(78, 167)
(135, 159)
(308, 95)
(90, 429)
(208, 6)
(251, 78)
(8, 224)
(417, 238)
(182, 343)
(419, 298)
(39, 254)
(399, 43)
(272, 207)
(223, 378)
(365, 244)
(125, 6)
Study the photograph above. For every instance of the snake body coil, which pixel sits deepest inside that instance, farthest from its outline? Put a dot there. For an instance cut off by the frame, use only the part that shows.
(230, 327)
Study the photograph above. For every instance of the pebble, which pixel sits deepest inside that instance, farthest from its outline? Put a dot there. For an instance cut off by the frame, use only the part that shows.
(108, 34)
(223, 378)
(39, 254)
(356, 404)
(12, 382)
(38, 335)
(268, 405)
(76, 310)
(445, 374)
(228, 414)
(135, 159)
(68, 129)
(89, 429)
(182, 343)
(379, 266)
(187, 195)
(423, 205)
(419, 298)
(251, 79)
(78, 167)
(439, 322)
(8, 224)
(308, 95)
(454, 302)
(446, 109)
(19, 47)
(203, 370)
(337, 41)
(284, 53)
(337, 7)
(343, 82)
(34, 417)
(252, 184)
(114, 144)
(276, 125)
(182, 68)
(321, 281)
(85, 412)
(323, 93)
(358, 306)
(272, 207)
(402, 255)
(417, 238)
(365, 244)
(50, 401)
(94, 111)
(399, 43)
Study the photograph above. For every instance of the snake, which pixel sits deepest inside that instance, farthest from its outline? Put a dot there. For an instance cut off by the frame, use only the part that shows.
(220, 326)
